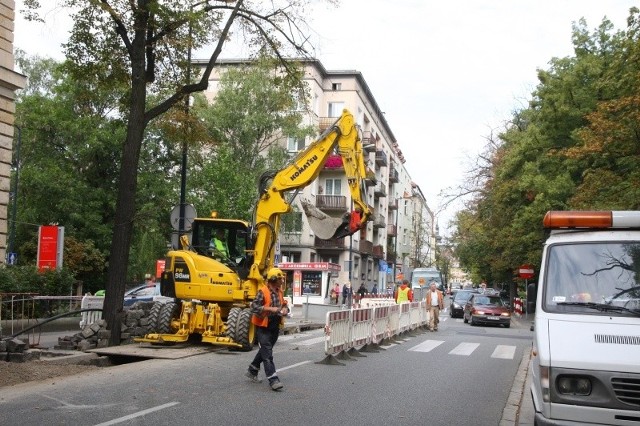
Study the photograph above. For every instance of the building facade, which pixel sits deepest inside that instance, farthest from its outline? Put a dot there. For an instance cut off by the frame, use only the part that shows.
(10, 81)
(384, 249)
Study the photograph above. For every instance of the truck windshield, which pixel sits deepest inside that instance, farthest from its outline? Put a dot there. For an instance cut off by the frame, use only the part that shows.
(581, 276)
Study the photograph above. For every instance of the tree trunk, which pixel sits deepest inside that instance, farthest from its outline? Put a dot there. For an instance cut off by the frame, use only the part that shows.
(127, 186)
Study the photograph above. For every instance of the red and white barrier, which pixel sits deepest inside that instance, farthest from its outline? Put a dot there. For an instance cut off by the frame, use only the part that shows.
(517, 306)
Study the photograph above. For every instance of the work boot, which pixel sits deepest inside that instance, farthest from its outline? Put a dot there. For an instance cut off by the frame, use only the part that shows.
(252, 374)
(276, 385)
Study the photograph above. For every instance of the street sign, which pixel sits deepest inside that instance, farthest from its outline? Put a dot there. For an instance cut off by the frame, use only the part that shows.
(12, 258)
(526, 271)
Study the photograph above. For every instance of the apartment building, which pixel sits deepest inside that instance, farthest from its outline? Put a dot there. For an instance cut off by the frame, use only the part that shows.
(384, 248)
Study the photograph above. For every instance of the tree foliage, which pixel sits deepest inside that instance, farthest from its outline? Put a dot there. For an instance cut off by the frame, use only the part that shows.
(141, 52)
(574, 147)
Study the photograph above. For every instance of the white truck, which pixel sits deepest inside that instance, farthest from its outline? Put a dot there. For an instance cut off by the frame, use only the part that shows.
(585, 366)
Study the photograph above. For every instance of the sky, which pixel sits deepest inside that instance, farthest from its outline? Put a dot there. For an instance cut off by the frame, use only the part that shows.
(445, 73)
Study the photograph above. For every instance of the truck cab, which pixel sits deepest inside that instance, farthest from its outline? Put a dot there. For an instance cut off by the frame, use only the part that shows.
(586, 353)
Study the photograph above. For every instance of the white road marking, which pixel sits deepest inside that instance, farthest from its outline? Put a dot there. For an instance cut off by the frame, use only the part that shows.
(294, 365)
(138, 414)
(464, 349)
(427, 346)
(504, 352)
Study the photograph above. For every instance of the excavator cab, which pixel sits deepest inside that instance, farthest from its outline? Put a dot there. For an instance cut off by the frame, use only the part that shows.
(227, 241)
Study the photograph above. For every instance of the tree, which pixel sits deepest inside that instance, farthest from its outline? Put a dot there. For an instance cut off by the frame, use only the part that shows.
(255, 107)
(144, 47)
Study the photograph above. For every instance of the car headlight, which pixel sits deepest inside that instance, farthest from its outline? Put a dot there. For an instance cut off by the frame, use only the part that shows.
(573, 385)
(505, 314)
(479, 312)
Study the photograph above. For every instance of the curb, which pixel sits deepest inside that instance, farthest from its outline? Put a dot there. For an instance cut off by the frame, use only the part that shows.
(511, 411)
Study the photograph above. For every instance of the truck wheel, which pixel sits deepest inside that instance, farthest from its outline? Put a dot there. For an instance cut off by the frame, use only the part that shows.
(167, 312)
(153, 317)
(232, 323)
(245, 331)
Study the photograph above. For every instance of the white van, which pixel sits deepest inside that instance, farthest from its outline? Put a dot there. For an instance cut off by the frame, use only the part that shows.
(586, 352)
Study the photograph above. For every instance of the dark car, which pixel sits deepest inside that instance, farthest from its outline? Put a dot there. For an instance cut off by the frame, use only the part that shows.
(458, 300)
(486, 309)
(142, 293)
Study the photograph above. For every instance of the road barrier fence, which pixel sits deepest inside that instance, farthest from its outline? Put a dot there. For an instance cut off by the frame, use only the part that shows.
(361, 328)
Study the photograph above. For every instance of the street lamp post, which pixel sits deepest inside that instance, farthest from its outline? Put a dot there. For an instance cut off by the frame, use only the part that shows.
(183, 167)
(395, 243)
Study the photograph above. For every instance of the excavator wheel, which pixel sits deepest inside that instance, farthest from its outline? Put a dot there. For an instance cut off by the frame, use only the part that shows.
(246, 331)
(232, 323)
(154, 313)
(167, 312)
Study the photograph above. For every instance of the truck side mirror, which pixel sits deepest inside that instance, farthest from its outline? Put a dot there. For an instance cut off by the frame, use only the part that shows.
(532, 294)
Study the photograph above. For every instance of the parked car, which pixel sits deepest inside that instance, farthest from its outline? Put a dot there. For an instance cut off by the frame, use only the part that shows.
(142, 293)
(456, 308)
(486, 309)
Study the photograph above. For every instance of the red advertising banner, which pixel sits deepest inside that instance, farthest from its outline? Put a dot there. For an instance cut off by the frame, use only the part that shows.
(159, 267)
(47, 247)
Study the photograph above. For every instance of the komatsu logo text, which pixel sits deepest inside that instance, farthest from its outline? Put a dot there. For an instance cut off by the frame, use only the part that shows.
(304, 167)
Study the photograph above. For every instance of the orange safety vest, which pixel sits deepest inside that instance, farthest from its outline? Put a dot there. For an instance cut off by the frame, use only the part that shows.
(262, 320)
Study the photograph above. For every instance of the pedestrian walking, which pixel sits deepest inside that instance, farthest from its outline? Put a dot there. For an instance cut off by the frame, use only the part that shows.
(435, 302)
(335, 293)
(362, 290)
(269, 309)
(347, 293)
(374, 290)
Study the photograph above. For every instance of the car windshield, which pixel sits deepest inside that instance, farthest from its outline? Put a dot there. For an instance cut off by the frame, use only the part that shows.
(581, 276)
(462, 296)
(487, 300)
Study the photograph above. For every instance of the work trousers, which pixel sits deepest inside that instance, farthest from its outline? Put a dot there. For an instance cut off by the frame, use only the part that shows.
(267, 338)
(434, 317)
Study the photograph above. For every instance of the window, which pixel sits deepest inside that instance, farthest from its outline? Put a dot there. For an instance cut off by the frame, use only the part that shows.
(295, 144)
(333, 186)
(292, 223)
(335, 109)
(291, 256)
(336, 86)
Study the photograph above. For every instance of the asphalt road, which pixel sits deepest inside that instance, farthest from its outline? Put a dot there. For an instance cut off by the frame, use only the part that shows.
(459, 375)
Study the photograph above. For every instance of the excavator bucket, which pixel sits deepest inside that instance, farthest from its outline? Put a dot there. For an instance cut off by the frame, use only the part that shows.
(326, 227)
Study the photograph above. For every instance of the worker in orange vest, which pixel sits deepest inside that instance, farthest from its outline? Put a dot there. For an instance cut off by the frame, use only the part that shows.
(269, 309)
(404, 293)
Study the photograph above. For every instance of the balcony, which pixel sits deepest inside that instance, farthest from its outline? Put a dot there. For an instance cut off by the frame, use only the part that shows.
(391, 257)
(320, 244)
(393, 175)
(378, 221)
(368, 141)
(381, 158)
(393, 204)
(365, 247)
(380, 191)
(378, 252)
(332, 202)
(392, 231)
(370, 179)
(334, 162)
(325, 122)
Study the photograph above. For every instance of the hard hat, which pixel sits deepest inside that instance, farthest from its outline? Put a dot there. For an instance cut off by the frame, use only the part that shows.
(274, 274)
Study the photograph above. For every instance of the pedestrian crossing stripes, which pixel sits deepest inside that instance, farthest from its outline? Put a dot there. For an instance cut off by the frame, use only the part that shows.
(466, 349)
(461, 349)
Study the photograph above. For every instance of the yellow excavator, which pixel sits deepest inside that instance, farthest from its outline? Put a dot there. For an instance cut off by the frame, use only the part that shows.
(214, 277)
